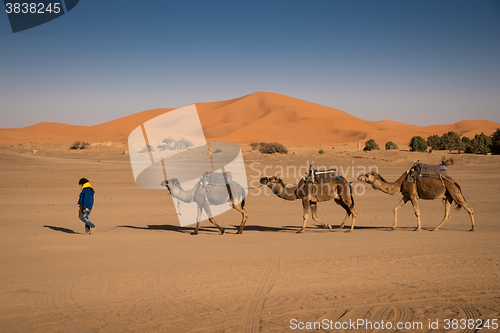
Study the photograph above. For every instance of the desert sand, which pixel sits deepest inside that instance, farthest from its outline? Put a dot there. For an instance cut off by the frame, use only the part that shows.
(141, 272)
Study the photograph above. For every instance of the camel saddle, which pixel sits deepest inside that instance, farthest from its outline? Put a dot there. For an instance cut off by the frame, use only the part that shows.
(217, 178)
(420, 170)
(324, 176)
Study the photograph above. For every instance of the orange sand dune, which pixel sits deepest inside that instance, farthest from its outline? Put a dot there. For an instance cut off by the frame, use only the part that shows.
(260, 116)
(111, 131)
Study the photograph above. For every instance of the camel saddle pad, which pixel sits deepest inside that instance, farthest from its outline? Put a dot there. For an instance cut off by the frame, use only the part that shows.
(217, 178)
(420, 170)
(326, 176)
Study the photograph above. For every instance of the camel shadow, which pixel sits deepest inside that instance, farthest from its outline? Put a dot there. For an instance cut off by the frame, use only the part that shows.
(188, 230)
(336, 228)
(61, 229)
(263, 228)
(169, 227)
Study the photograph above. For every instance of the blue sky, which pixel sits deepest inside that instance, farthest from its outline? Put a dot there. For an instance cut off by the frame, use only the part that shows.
(373, 59)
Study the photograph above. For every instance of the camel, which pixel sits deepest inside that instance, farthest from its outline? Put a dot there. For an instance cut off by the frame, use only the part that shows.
(311, 193)
(212, 195)
(427, 189)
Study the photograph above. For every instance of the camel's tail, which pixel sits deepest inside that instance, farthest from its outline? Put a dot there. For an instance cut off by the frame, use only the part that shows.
(352, 199)
(458, 206)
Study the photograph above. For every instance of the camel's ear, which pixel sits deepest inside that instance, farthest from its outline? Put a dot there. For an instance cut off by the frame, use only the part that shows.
(373, 173)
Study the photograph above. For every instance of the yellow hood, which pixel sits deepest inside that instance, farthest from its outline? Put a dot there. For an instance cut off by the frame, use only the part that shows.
(87, 184)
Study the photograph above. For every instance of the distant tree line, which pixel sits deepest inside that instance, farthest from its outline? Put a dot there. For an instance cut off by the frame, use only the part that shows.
(480, 144)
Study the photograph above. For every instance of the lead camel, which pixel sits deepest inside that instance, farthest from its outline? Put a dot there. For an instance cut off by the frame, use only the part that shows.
(428, 189)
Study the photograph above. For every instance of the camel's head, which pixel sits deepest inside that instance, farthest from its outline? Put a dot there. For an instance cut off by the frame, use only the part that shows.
(271, 180)
(368, 178)
(170, 183)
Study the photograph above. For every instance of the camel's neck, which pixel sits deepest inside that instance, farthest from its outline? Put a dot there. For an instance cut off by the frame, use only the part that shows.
(184, 196)
(389, 188)
(284, 192)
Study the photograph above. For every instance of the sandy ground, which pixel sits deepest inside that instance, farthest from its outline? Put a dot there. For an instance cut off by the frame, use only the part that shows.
(141, 272)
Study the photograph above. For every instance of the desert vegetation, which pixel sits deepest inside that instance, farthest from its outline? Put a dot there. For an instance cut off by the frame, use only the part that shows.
(480, 144)
(269, 147)
(172, 144)
(79, 145)
(417, 143)
(495, 142)
(371, 144)
(447, 161)
(391, 145)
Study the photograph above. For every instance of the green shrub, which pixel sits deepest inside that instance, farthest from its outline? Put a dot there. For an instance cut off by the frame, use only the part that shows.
(481, 144)
(321, 151)
(467, 144)
(272, 148)
(434, 141)
(417, 143)
(371, 144)
(391, 145)
(495, 142)
(451, 140)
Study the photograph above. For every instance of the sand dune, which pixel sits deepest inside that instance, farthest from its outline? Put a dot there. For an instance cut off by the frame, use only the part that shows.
(260, 116)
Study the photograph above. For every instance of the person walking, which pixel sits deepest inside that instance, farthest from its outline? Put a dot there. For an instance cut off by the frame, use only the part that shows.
(86, 202)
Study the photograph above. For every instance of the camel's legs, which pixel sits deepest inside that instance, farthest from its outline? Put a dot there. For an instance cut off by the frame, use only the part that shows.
(471, 214)
(344, 205)
(447, 204)
(461, 201)
(354, 215)
(305, 214)
(198, 218)
(469, 210)
(347, 203)
(403, 201)
(195, 232)
(345, 219)
(211, 219)
(244, 213)
(314, 213)
(414, 202)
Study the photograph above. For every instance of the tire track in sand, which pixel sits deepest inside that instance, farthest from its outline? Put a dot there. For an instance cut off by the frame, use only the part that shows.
(160, 290)
(375, 314)
(470, 313)
(59, 300)
(258, 298)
